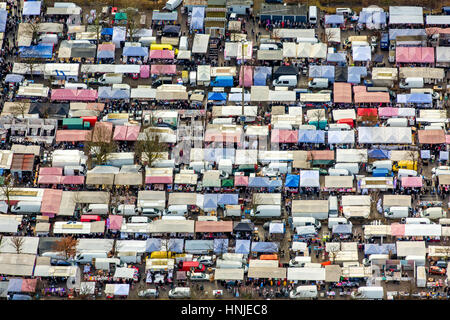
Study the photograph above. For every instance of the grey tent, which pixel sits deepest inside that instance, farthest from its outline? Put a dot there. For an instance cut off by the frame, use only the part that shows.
(176, 245)
(199, 246)
(153, 244)
(243, 227)
(266, 247)
(372, 248)
(220, 245)
(342, 229)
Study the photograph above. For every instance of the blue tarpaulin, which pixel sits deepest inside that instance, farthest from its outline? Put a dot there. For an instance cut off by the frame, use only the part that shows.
(379, 154)
(258, 182)
(210, 201)
(3, 19)
(14, 78)
(31, 8)
(153, 244)
(220, 245)
(113, 94)
(275, 183)
(371, 248)
(242, 246)
(311, 136)
(265, 247)
(176, 245)
(105, 54)
(336, 57)
(260, 75)
(217, 96)
(372, 17)
(292, 181)
(418, 98)
(135, 51)
(355, 74)
(334, 19)
(322, 72)
(227, 198)
(198, 18)
(107, 31)
(342, 228)
(43, 51)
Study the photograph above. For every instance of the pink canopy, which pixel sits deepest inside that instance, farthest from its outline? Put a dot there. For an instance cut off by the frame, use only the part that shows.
(412, 182)
(106, 47)
(51, 201)
(397, 230)
(248, 76)
(414, 54)
(284, 136)
(241, 181)
(359, 89)
(447, 138)
(28, 285)
(74, 94)
(156, 180)
(49, 179)
(72, 180)
(95, 106)
(218, 136)
(163, 69)
(145, 71)
(126, 133)
(372, 97)
(388, 112)
(162, 54)
(115, 222)
(73, 135)
(55, 171)
(433, 30)
(342, 92)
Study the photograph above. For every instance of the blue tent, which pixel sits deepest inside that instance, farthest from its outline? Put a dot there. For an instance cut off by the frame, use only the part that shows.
(379, 154)
(198, 18)
(228, 198)
(14, 78)
(311, 136)
(355, 74)
(113, 94)
(43, 51)
(258, 182)
(135, 51)
(153, 244)
(275, 183)
(198, 246)
(210, 201)
(176, 245)
(334, 19)
(242, 246)
(336, 57)
(342, 228)
(3, 19)
(322, 72)
(418, 98)
(21, 296)
(105, 54)
(265, 247)
(15, 285)
(217, 96)
(220, 245)
(292, 181)
(372, 248)
(107, 31)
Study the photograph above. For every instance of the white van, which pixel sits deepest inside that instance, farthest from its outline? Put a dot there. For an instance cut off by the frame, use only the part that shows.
(353, 168)
(147, 41)
(433, 213)
(380, 164)
(183, 43)
(304, 292)
(266, 211)
(193, 78)
(397, 122)
(411, 83)
(318, 83)
(333, 208)
(176, 210)
(180, 292)
(228, 264)
(417, 221)
(268, 46)
(339, 172)
(344, 11)
(86, 257)
(126, 210)
(338, 127)
(307, 40)
(54, 255)
(172, 4)
(110, 78)
(368, 293)
(150, 212)
(444, 222)
(406, 173)
(234, 257)
(232, 210)
(299, 262)
(285, 81)
(305, 221)
(26, 207)
(397, 212)
(74, 85)
(97, 209)
(138, 219)
(312, 17)
(337, 221)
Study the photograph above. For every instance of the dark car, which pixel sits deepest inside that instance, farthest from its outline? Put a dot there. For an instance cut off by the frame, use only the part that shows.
(441, 264)
(161, 81)
(58, 262)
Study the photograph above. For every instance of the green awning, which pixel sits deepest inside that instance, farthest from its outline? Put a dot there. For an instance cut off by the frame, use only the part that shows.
(323, 162)
(120, 16)
(2, 180)
(227, 183)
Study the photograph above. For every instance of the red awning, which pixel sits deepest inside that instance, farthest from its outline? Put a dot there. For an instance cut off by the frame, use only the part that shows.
(412, 182)
(156, 180)
(73, 135)
(49, 179)
(72, 180)
(51, 201)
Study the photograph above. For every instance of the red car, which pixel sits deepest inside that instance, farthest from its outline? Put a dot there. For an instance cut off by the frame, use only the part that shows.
(437, 270)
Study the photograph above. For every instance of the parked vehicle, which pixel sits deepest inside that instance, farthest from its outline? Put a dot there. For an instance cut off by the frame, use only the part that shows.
(304, 292)
(180, 293)
(437, 270)
(149, 293)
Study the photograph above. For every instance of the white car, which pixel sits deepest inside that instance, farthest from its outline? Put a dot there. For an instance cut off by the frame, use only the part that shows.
(433, 170)
(205, 260)
(199, 276)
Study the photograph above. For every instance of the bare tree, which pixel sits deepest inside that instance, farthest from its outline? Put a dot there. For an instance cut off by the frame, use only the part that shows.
(329, 35)
(150, 149)
(133, 22)
(84, 292)
(20, 108)
(66, 245)
(332, 252)
(31, 64)
(100, 146)
(17, 243)
(6, 190)
(32, 28)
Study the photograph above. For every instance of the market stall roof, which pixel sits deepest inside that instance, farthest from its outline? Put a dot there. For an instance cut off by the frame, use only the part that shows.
(172, 226)
(229, 274)
(17, 264)
(414, 54)
(342, 92)
(306, 274)
(31, 8)
(309, 178)
(213, 226)
(405, 15)
(338, 182)
(412, 182)
(267, 273)
(431, 136)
